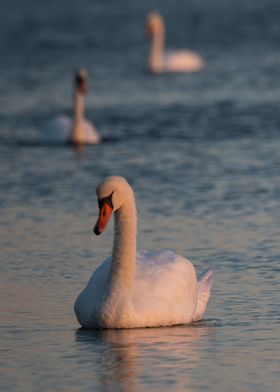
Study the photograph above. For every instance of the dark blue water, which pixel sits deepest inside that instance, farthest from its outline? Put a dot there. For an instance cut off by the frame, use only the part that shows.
(202, 154)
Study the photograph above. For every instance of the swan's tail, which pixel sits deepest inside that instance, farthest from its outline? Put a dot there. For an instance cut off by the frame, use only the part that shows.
(205, 282)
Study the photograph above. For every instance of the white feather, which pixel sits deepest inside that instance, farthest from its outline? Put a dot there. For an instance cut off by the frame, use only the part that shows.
(131, 290)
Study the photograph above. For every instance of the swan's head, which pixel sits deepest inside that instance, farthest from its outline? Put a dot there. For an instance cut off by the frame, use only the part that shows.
(112, 194)
(154, 24)
(81, 81)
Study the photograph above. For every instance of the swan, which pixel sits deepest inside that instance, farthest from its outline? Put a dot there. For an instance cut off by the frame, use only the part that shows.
(133, 290)
(76, 130)
(170, 61)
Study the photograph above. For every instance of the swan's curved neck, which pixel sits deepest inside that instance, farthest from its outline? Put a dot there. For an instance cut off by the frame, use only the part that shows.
(156, 53)
(124, 249)
(78, 129)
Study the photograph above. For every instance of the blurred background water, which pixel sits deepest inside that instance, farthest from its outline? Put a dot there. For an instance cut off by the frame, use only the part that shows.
(202, 153)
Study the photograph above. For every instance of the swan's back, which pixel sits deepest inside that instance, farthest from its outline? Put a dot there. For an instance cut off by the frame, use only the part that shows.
(182, 61)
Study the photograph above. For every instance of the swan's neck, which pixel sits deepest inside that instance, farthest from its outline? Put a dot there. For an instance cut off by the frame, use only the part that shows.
(157, 48)
(77, 135)
(124, 249)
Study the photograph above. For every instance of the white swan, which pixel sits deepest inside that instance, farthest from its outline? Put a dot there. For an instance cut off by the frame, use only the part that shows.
(130, 290)
(76, 130)
(173, 61)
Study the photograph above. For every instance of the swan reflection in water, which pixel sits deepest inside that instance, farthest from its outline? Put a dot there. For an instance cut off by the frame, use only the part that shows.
(130, 359)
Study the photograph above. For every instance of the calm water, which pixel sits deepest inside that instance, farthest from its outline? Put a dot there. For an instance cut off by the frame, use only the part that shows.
(202, 153)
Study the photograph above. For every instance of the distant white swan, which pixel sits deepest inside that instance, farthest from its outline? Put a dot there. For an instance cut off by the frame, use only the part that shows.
(168, 61)
(76, 130)
(129, 289)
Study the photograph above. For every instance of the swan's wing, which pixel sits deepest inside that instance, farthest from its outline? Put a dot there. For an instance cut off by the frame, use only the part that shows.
(182, 60)
(91, 134)
(165, 284)
(58, 129)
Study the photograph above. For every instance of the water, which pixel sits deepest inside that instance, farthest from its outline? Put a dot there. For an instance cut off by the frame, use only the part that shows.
(202, 153)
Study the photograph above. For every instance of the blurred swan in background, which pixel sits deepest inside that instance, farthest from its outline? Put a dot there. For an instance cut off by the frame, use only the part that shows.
(76, 130)
(132, 290)
(168, 61)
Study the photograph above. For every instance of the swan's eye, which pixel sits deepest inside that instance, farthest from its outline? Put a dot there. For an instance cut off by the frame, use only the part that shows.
(106, 200)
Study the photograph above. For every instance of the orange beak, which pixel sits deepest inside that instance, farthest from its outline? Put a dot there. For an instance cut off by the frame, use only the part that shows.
(104, 216)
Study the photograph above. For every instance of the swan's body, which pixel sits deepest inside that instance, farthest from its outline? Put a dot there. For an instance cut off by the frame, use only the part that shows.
(130, 290)
(60, 130)
(77, 129)
(168, 61)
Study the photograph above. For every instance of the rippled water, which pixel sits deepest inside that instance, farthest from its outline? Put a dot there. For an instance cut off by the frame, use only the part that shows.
(202, 153)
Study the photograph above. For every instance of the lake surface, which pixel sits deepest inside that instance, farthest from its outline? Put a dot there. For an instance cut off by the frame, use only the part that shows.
(202, 154)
